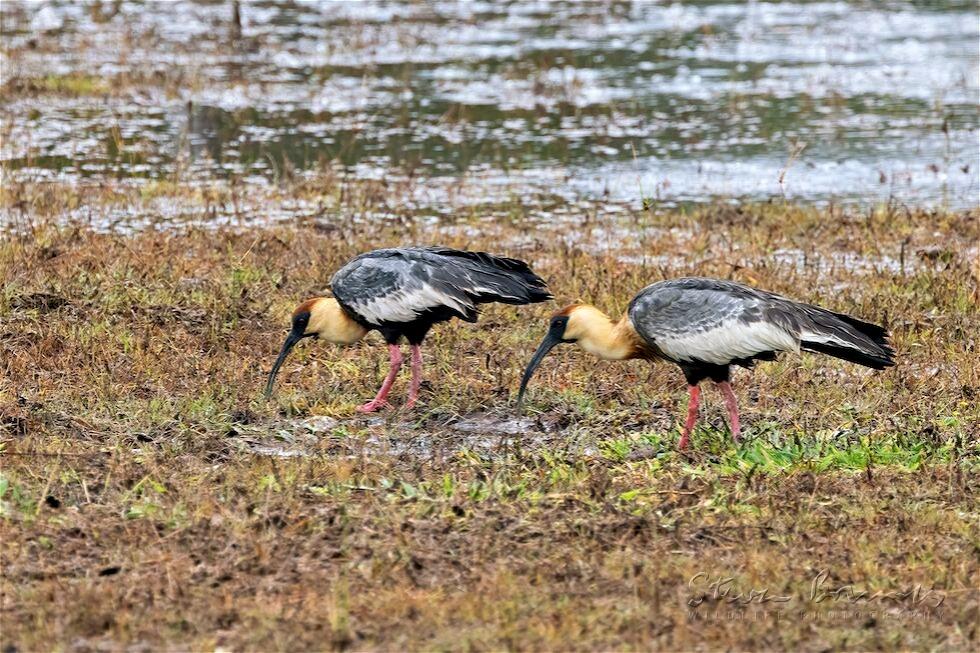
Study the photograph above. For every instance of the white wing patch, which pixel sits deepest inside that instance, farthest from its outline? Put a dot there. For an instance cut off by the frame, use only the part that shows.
(730, 340)
(827, 339)
(500, 292)
(406, 305)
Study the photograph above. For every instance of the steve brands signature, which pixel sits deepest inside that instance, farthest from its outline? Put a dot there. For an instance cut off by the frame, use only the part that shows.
(708, 588)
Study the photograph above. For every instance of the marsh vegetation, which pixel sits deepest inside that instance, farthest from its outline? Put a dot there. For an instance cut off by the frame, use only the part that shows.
(147, 483)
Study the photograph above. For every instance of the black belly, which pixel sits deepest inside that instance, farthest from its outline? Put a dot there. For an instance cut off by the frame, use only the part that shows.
(697, 371)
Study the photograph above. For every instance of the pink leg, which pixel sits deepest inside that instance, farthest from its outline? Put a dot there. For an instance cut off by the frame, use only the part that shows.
(692, 415)
(413, 389)
(732, 405)
(396, 362)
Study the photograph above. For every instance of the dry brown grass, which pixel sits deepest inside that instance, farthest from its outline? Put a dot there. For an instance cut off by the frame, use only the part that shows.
(137, 513)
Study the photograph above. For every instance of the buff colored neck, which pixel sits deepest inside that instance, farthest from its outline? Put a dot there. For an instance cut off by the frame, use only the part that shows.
(597, 334)
(329, 321)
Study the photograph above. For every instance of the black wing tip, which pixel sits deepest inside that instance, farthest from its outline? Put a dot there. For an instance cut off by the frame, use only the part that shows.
(878, 360)
(516, 282)
(883, 360)
(538, 295)
(879, 337)
(502, 262)
(878, 363)
(521, 296)
(874, 331)
(533, 288)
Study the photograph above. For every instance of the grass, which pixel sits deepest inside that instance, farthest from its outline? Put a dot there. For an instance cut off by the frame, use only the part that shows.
(138, 508)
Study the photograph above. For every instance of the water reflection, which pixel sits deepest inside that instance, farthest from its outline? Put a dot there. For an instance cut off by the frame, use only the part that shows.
(678, 102)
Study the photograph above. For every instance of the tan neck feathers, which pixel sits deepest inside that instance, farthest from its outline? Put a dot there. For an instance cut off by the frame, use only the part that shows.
(597, 334)
(329, 321)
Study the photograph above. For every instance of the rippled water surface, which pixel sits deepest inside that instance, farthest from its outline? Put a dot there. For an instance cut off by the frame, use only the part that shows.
(850, 101)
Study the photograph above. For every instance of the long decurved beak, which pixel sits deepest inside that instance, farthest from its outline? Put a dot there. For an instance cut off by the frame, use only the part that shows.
(549, 342)
(291, 341)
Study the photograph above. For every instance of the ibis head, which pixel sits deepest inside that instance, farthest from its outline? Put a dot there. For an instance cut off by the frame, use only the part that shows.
(590, 329)
(320, 317)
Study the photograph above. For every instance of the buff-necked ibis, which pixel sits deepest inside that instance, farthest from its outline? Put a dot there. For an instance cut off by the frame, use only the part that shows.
(403, 292)
(705, 326)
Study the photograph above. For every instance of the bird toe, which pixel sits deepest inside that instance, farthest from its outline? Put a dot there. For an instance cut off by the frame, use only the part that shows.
(371, 406)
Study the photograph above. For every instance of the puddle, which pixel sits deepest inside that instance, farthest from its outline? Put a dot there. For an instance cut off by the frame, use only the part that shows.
(478, 433)
(486, 424)
(278, 452)
(290, 441)
(683, 102)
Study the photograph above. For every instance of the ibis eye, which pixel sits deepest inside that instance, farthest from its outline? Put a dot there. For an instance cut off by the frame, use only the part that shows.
(300, 322)
(557, 327)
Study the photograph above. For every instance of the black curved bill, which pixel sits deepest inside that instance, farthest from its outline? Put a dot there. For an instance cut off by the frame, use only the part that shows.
(549, 342)
(291, 341)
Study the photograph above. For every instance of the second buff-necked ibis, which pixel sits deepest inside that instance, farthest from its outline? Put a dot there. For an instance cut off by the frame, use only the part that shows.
(707, 325)
(403, 292)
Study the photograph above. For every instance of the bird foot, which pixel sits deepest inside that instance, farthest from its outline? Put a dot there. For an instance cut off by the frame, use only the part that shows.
(372, 406)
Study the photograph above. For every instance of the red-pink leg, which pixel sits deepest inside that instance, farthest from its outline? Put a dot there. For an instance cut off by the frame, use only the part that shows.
(395, 352)
(413, 389)
(732, 405)
(692, 415)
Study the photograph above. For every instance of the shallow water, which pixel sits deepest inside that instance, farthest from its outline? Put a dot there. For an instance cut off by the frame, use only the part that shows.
(679, 103)
(481, 434)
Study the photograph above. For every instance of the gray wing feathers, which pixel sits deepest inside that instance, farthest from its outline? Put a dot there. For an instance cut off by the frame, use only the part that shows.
(718, 322)
(400, 285)
(708, 321)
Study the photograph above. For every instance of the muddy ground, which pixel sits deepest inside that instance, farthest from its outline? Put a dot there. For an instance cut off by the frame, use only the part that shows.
(152, 498)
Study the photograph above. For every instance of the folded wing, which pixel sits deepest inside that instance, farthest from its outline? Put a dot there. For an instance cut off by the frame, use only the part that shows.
(404, 284)
(715, 322)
